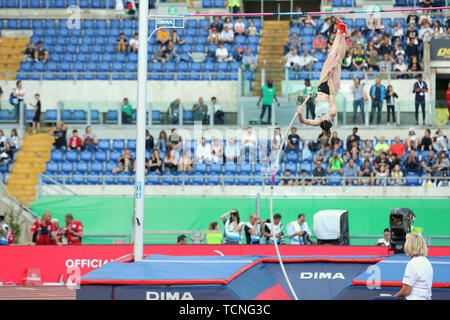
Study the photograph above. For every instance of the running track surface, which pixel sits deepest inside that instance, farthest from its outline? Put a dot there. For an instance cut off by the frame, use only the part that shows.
(37, 293)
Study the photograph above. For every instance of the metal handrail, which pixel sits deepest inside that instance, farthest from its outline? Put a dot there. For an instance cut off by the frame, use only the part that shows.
(31, 215)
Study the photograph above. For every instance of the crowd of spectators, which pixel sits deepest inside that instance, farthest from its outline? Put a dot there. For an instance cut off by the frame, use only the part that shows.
(8, 147)
(376, 47)
(200, 111)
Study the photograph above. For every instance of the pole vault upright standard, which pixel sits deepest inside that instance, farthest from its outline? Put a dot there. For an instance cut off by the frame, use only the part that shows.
(168, 22)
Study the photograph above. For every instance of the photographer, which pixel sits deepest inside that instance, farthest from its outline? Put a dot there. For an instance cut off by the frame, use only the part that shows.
(298, 231)
(4, 231)
(386, 241)
(233, 227)
(252, 230)
(277, 230)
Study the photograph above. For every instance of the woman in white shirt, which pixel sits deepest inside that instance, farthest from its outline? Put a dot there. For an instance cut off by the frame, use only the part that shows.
(228, 23)
(14, 141)
(398, 30)
(418, 277)
(239, 27)
(233, 227)
(438, 31)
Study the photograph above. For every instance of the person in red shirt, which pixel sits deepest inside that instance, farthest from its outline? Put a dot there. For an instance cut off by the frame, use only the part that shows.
(11, 237)
(398, 148)
(43, 231)
(73, 230)
(59, 231)
(75, 141)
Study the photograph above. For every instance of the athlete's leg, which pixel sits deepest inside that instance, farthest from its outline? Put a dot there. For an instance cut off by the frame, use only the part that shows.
(331, 58)
(340, 56)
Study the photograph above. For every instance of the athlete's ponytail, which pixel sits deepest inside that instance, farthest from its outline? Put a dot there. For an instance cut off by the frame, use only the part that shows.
(326, 127)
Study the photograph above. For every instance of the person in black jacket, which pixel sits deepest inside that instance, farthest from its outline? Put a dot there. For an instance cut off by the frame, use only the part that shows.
(149, 142)
(391, 95)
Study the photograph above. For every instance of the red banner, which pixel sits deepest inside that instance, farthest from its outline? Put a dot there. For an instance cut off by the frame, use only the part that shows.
(57, 263)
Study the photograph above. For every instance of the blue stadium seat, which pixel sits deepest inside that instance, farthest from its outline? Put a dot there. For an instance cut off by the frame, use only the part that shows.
(72, 156)
(114, 155)
(118, 144)
(104, 145)
(81, 167)
(292, 157)
(111, 116)
(230, 168)
(200, 168)
(51, 167)
(86, 156)
(57, 155)
(96, 167)
(245, 168)
(335, 179)
(337, 3)
(215, 168)
(78, 178)
(93, 178)
(67, 167)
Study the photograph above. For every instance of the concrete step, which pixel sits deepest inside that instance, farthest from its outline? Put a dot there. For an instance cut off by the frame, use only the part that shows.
(24, 176)
(21, 181)
(27, 170)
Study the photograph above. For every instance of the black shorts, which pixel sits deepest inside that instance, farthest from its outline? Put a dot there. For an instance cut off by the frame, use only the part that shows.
(324, 88)
(37, 117)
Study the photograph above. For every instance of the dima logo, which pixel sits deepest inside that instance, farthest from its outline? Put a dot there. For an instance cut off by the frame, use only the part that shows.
(166, 22)
(444, 52)
(154, 295)
(321, 275)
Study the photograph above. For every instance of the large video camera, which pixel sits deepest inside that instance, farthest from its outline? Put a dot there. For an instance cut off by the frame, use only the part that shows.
(399, 227)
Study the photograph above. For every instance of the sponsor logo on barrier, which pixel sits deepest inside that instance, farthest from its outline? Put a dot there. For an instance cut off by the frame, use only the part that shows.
(167, 295)
(444, 53)
(440, 49)
(165, 22)
(85, 263)
(321, 275)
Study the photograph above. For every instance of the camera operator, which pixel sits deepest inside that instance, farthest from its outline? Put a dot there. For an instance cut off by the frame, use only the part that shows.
(298, 231)
(386, 241)
(233, 227)
(252, 230)
(277, 230)
(4, 231)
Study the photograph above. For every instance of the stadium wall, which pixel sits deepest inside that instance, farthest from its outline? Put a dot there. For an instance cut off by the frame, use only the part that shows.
(368, 216)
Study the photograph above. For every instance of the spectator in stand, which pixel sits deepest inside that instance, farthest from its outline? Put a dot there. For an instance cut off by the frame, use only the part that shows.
(59, 132)
(162, 36)
(173, 112)
(330, 41)
(319, 172)
(336, 163)
(398, 30)
(186, 162)
(73, 230)
(231, 151)
(268, 95)
(275, 145)
(18, 95)
(386, 240)
(227, 23)
(36, 113)
(324, 154)
(203, 152)
(381, 147)
(304, 178)
(412, 18)
(6, 155)
(14, 140)
(122, 43)
(149, 141)
(288, 179)
(400, 67)
(154, 164)
(239, 27)
(40, 54)
(249, 144)
(442, 165)
(125, 162)
(200, 111)
(425, 18)
(172, 54)
(222, 53)
(292, 60)
(367, 152)
(227, 35)
(366, 174)
(90, 140)
(412, 163)
(43, 231)
(426, 143)
(175, 38)
(420, 88)
(440, 142)
(4, 232)
(320, 44)
(309, 21)
(359, 96)
(398, 148)
(387, 63)
(217, 152)
(28, 55)
(358, 59)
(412, 140)
(393, 160)
(175, 141)
(134, 43)
(170, 161)
(249, 62)
(425, 32)
(412, 49)
(306, 61)
(325, 27)
(3, 140)
(399, 52)
(161, 143)
(353, 138)
(397, 175)
(428, 163)
(216, 111)
(353, 151)
(251, 30)
(75, 141)
(414, 65)
(350, 170)
(238, 56)
(372, 55)
(359, 39)
(295, 42)
(233, 227)
(213, 37)
(277, 230)
(215, 24)
(391, 95)
(386, 47)
(377, 93)
(127, 111)
(161, 55)
(438, 31)
(252, 230)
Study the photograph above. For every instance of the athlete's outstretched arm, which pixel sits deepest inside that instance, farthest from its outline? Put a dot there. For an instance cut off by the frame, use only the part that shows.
(314, 122)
